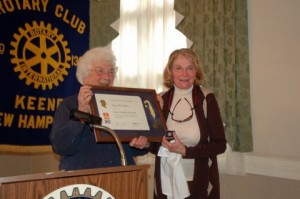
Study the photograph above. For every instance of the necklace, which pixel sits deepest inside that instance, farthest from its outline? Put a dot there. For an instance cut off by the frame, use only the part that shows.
(186, 119)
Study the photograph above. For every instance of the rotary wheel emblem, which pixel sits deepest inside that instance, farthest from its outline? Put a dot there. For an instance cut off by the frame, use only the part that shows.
(40, 55)
(86, 195)
(79, 191)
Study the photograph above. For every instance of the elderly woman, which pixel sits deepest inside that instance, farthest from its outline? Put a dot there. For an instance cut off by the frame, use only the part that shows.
(74, 141)
(187, 166)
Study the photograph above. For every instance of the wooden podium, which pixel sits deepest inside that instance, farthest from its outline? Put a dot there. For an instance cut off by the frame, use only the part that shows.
(124, 182)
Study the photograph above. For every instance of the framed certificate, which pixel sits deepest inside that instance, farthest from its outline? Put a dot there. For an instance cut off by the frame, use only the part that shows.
(130, 112)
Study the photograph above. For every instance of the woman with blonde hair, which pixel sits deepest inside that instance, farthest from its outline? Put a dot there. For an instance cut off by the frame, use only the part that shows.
(186, 167)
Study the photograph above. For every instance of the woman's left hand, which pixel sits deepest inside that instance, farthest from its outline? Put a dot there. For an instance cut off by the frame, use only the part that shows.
(140, 142)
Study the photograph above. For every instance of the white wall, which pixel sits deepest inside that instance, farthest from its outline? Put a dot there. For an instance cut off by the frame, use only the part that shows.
(274, 41)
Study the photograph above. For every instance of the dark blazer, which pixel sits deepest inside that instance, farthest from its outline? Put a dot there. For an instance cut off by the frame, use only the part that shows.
(75, 143)
(212, 143)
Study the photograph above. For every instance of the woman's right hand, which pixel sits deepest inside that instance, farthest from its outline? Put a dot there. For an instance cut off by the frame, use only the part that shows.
(175, 145)
(160, 101)
(84, 96)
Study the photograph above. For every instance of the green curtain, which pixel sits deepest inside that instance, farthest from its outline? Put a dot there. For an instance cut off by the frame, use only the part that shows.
(102, 14)
(219, 31)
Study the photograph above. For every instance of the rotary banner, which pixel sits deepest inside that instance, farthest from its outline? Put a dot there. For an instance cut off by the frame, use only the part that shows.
(40, 44)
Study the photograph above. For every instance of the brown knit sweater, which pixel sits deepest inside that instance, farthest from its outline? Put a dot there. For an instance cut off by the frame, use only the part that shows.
(212, 143)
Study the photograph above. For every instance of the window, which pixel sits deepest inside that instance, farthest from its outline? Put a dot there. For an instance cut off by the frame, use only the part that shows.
(147, 36)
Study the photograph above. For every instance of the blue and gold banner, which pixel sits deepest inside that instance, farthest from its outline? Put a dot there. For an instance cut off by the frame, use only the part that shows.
(40, 44)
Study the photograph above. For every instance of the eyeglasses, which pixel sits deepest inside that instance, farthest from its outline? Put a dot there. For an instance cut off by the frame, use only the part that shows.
(102, 71)
(186, 119)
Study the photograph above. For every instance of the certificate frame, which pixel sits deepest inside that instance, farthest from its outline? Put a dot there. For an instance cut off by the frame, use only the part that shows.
(148, 107)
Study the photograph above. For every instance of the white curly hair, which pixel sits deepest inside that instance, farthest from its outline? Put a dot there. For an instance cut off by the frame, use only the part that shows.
(94, 55)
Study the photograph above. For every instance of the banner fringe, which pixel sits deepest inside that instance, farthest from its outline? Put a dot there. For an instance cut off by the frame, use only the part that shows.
(25, 149)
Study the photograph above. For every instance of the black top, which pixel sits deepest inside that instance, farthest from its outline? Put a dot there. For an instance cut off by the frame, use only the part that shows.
(75, 143)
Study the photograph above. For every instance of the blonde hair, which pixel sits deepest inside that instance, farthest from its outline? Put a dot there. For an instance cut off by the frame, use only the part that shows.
(188, 53)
